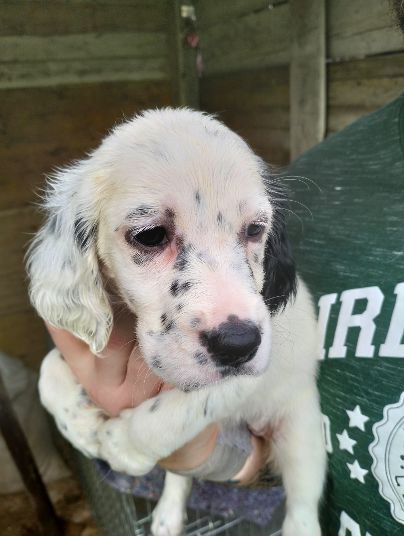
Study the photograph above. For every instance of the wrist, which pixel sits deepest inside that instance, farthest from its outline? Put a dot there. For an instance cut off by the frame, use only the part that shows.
(194, 453)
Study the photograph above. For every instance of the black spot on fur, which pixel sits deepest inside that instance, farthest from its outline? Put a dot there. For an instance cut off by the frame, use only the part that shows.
(174, 288)
(280, 271)
(205, 407)
(179, 306)
(169, 326)
(188, 387)
(155, 405)
(84, 233)
(250, 270)
(137, 258)
(201, 358)
(156, 362)
(256, 258)
(219, 218)
(195, 322)
(182, 259)
(163, 318)
(178, 288)
(170, 213)
(198, 198)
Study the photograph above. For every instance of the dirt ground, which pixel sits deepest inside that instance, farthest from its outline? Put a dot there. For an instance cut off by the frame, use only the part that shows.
(17, 515)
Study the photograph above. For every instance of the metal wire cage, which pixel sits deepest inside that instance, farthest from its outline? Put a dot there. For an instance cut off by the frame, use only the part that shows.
(120, 514)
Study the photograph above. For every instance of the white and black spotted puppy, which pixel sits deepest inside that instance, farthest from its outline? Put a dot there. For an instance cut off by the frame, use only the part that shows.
(189, 225)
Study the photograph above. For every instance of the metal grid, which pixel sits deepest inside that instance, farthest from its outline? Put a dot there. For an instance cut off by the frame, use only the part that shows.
(119, 514)
(201, 524)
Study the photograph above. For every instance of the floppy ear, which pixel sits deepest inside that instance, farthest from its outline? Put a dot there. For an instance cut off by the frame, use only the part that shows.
(66, 286)
(279, 266)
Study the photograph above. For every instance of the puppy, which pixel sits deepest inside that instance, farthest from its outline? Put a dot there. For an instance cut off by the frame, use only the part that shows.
(177, 212)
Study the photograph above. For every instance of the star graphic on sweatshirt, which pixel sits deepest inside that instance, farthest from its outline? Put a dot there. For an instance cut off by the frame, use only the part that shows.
(345, 442)
(356, 471)
(356, 418)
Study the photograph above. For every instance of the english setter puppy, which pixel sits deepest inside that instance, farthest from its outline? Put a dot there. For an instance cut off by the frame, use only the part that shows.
(189, 225)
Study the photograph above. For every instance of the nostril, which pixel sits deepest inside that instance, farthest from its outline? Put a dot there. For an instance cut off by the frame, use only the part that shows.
(233, 342)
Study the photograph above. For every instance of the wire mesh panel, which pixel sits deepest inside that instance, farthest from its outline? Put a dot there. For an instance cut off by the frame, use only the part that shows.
(119, 514)
(201, 524)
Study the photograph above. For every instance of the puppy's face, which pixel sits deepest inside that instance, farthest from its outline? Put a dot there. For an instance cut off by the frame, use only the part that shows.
(190, 229)
(182, 233)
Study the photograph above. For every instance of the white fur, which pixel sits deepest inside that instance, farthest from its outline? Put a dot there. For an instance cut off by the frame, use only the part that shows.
(160, 161)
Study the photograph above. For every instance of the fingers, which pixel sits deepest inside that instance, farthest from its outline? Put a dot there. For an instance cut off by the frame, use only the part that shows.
(193, 453)
(111, 369)
(254, 463)
(75, 352)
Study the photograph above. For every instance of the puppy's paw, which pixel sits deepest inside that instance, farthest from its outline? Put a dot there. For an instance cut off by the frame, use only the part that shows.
(169, 517)
(117, 448)
(77, 418)
(301, 523)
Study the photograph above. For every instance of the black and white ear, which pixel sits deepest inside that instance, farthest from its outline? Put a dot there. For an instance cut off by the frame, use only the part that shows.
(66, 286)
(279, 266)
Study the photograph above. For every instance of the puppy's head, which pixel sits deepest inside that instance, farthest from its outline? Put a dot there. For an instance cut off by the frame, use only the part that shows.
(189, 226)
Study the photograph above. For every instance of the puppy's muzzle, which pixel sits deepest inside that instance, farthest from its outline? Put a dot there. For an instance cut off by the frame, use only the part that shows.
(233, 343)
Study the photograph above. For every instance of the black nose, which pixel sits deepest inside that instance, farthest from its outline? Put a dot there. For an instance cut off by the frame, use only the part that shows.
(234, 342)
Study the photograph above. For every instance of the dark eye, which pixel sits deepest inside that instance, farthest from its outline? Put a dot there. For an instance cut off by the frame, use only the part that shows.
(254, 230)
(156, 236)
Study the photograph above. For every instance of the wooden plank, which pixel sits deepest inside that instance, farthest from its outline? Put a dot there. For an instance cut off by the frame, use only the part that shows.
(272, 117)
(307, 75)
(256, 40)
(56, 125)
(27, 17)
(23, 335)
(56, 73)
(41, 61)
(184, 75)
(386, 66)
(212, 12)
(18, 227)
(359, 87)
(256, 105)
(256, 89)
(361, 28)
(271, 143)
(25, 48)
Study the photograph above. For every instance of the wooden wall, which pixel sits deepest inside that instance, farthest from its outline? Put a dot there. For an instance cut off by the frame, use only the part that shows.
(68, 72)
(270, 65)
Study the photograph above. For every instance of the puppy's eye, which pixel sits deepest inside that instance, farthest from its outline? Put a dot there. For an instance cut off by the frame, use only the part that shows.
(255, 230)
(156, 236)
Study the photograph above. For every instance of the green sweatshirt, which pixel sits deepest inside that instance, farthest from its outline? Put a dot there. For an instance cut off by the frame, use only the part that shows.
(351, 254)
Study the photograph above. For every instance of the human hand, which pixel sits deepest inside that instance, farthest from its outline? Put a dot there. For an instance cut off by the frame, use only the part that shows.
(117, 379)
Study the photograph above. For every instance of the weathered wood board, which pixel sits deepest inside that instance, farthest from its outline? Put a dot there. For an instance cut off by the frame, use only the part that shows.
(307, 75)
(32, 17)
(359, 28)
(58, 124)
(249, 34)
(359, 87)
(256, 104)
(253, 39)
(43, 128)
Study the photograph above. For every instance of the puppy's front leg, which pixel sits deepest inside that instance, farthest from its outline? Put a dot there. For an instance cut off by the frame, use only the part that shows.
(170, 513)
(300, 452)
(159, 426)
